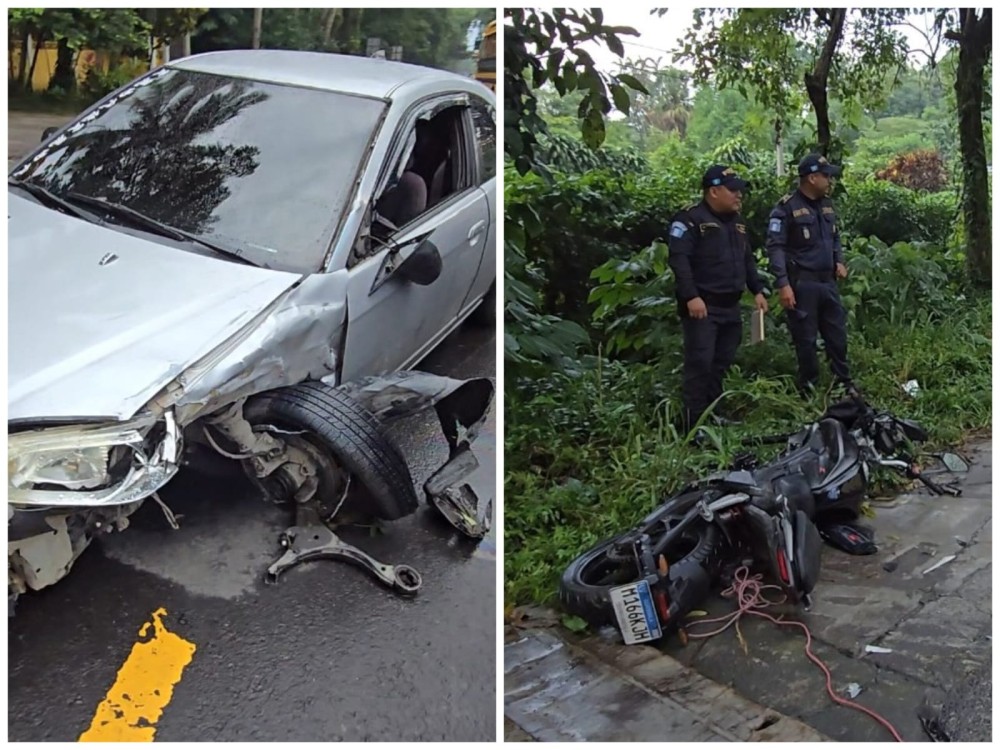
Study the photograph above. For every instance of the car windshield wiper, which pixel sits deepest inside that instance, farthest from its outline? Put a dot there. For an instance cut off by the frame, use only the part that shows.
(142, 221)
(50, 199)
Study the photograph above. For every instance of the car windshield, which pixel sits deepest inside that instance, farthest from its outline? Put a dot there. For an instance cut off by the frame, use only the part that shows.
(264, 169)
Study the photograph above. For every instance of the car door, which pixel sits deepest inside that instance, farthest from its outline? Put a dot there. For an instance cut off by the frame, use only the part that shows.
(483, 115)
(394, 321)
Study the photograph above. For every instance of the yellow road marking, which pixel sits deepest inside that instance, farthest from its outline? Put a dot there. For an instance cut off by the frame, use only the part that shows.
(143, 688)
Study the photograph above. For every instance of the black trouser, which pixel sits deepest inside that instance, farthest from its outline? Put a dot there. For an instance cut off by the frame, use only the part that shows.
(710, 346)
(818, 309)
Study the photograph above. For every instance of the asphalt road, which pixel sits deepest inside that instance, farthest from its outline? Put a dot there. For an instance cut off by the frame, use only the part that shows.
(326, 654)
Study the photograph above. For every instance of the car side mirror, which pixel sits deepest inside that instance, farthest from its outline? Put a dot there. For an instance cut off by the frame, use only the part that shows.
(48, 132)
(423, 266)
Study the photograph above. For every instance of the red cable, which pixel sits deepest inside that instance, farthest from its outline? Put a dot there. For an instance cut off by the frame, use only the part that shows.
(749, 593)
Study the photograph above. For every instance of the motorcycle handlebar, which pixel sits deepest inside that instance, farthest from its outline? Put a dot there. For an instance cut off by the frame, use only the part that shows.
(914, 472)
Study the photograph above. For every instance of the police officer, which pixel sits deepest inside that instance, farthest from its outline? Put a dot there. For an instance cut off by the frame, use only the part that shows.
(712, 263)
(803, 246)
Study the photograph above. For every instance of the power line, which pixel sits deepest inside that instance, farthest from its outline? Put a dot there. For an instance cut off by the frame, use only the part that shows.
(646, 46)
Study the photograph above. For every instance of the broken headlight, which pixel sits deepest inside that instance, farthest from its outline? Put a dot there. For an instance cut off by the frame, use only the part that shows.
(85, 465)
(74, 469)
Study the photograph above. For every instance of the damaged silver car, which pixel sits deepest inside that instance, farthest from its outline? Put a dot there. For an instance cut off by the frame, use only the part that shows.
(243, 254)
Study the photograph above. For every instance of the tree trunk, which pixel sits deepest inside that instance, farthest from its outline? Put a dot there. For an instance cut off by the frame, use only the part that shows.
(350, 29)
(39, 43)
(975, 42)
(333, 15)
(22, 73)
(258, 23)
(64, 76)
(818, 78)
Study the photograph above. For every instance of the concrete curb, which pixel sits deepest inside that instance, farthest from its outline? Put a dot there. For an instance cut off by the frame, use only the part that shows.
(559, 687)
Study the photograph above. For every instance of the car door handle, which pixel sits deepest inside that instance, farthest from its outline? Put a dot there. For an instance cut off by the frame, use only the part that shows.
(476, 230)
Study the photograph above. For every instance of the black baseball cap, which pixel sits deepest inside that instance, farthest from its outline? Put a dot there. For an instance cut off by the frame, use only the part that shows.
(816, 163)
(724, 176)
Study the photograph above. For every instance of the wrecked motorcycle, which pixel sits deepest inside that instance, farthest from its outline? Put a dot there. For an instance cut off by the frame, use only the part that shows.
(774, 516)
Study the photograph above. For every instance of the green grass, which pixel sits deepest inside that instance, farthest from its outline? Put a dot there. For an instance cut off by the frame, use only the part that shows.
(590, 451)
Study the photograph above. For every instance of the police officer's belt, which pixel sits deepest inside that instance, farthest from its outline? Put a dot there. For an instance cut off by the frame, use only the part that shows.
(721, 299)
(803, 274)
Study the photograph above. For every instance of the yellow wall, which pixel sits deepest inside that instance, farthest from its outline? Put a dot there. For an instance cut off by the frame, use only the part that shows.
(46, 65)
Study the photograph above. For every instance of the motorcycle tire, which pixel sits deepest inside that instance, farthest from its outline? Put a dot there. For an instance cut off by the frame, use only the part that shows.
(351, 434)
(584, 592)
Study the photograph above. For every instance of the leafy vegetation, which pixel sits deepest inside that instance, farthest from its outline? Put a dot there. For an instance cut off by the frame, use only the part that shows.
(427, 36)
(592, 336)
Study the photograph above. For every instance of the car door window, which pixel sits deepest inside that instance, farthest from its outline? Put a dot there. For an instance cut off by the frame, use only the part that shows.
(486, 138)
(434, 169)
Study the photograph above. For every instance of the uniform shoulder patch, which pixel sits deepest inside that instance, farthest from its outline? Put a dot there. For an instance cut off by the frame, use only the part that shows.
(690, 207)
(785, 198)
(678, 229)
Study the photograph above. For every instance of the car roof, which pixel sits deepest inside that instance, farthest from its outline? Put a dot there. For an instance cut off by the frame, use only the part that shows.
(349, 74)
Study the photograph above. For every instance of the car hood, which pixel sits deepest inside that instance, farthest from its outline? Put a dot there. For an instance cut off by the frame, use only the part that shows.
(100, 320)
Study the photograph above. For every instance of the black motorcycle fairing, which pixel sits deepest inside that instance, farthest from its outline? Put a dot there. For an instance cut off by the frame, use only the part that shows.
(849, 412)
(767, 543)
(913, 430)
(796, 488)
(825, 454)
(807, 544)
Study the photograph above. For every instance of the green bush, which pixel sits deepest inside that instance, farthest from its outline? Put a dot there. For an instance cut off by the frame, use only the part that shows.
(100, 83)
(875, 208)
(608, 213)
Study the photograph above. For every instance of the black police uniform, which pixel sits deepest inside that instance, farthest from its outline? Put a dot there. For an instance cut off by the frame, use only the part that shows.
(803, 246)
(711, 258)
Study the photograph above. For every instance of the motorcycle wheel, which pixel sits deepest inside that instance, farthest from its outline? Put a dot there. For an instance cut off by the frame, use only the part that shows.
(585, 588)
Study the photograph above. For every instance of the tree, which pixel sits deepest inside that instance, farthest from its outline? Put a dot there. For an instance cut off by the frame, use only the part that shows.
(544, 47)
(428, 36)
(667, 106)
(112, 29)
(540, 47)
(764, 48)
(258, 22)
(972, 31)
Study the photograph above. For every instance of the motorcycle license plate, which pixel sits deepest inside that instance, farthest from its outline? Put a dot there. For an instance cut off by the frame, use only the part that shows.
(635, 612)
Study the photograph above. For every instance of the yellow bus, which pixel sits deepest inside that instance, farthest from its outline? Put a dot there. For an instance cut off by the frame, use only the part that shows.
(486, 65)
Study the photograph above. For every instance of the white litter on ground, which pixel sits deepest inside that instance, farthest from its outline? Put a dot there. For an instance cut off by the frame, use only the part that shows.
(877, 650)
(939, 563)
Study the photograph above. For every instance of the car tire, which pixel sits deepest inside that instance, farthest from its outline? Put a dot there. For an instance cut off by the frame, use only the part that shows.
(485, 314)
(352, 434)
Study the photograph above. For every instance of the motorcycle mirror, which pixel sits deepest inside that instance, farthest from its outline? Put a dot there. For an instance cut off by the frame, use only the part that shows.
(954, 462)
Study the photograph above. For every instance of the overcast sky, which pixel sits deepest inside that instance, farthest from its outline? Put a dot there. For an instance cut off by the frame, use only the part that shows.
(660, 36)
